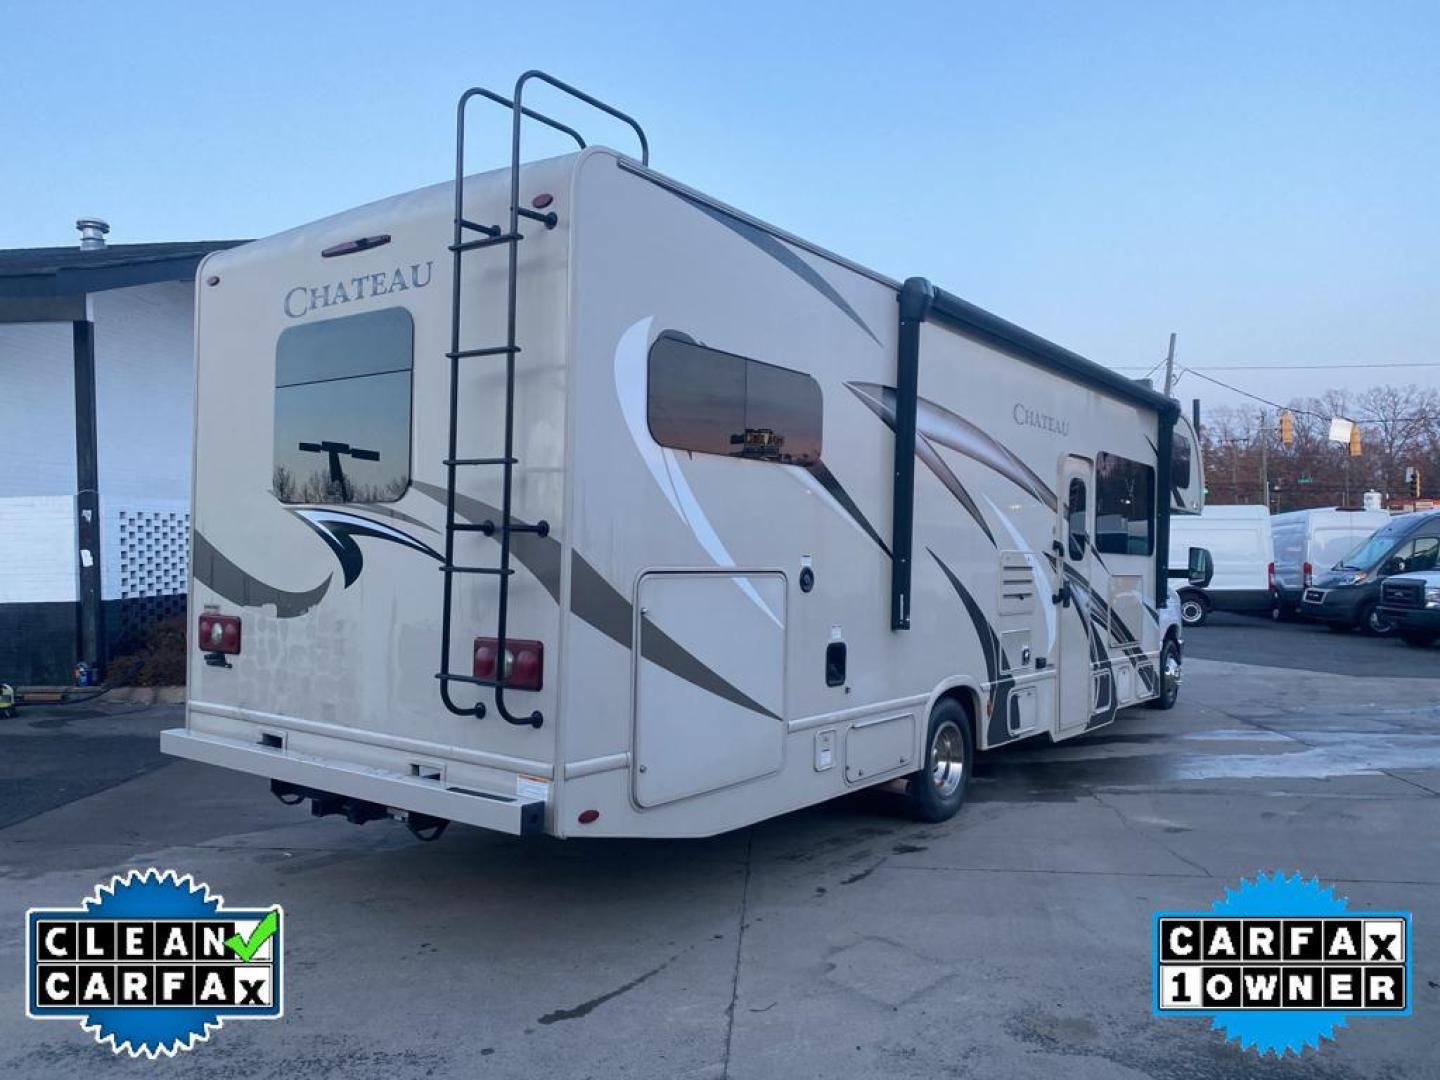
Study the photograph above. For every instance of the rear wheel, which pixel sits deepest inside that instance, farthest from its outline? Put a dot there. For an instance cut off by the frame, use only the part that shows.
(1194, 609)
(1170, 676)
(938, 790)
(1421, 639)
(1376, 621)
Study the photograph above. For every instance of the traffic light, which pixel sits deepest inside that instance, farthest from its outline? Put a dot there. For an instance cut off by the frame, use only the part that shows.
(1412, 481)
(1355, 441)
(1287, 428)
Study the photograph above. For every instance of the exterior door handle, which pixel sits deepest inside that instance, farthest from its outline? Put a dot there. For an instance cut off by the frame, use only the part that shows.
(1063, 596)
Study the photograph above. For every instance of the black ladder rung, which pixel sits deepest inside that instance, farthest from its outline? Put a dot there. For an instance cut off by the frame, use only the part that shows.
(548, 219)
(480, 461)
(473, 680)
(486, 527)
(495, 571)
(495, 350)
(541, 528)
(489, 241)
(475, 226)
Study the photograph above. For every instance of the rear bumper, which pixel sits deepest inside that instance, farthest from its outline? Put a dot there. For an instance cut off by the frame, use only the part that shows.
(485, 809)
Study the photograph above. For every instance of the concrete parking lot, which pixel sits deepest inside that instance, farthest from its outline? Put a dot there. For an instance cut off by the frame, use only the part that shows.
(841, 941)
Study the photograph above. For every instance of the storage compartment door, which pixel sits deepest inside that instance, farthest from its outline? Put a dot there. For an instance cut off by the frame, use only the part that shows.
(709, 682)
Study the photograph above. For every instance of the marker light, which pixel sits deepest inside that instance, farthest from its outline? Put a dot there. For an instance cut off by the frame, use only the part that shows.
(523, 667)
(219, 634)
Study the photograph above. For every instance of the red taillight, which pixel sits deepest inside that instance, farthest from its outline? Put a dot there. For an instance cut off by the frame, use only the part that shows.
(1270, 575)
(524, 666)
(1306, 570)
(219, 634)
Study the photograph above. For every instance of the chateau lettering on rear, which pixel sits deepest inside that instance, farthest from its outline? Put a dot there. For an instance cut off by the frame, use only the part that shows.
(303, 299)
(1028, 417)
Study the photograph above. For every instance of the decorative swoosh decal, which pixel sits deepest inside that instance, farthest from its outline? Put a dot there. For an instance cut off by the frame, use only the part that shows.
(787, 258)
(595, 601)
(997, 664)
(220, 575)
(939, 425)
(339, 529)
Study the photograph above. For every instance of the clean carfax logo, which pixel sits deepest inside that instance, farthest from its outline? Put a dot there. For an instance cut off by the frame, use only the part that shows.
(1280, 963)
(153, 962)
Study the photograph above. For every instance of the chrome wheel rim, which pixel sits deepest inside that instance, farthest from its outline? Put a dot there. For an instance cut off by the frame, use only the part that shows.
(1190, 611)
(1171, 673)
(947, 759)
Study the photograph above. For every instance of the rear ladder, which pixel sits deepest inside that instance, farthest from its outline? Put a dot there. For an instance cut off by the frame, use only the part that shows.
(494, 236)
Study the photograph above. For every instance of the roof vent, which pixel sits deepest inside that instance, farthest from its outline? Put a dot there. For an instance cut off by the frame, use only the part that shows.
(92, 233)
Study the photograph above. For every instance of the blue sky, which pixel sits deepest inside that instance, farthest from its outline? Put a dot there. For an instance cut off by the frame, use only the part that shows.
(1260, 177)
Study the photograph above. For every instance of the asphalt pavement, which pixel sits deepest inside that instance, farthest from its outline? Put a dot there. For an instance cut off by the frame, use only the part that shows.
(841, 941)
(1309, 646)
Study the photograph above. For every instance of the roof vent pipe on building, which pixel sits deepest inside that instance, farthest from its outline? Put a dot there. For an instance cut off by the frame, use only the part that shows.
(92, 233)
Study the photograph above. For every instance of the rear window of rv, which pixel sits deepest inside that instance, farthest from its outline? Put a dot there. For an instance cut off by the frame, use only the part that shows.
(718, 403)
(1124, 506)
(342, 409)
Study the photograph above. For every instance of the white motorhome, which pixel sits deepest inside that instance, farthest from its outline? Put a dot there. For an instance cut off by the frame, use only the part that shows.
(567, 499)
(1312, 541)
(1239, 540)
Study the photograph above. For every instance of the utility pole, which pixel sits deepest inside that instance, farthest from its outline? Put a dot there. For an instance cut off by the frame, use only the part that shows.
(1170, 366)
(1265, 460)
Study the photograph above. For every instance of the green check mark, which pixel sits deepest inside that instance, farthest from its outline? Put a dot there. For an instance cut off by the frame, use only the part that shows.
(245, 948)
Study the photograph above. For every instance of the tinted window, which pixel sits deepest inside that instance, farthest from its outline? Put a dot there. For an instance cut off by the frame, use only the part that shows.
(1419, 554)
(1180, 461)
(1124, 506)
(1075, 510)
(1365, 556)
(342, 409)
(719, 403)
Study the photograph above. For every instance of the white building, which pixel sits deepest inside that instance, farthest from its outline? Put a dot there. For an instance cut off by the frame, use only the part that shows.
(96, 358)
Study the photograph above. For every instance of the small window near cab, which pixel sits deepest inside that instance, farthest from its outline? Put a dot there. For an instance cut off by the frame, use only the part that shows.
(342, 409)
(1124, 506)
(1075, 509)
(715, 402)
(1180, 461)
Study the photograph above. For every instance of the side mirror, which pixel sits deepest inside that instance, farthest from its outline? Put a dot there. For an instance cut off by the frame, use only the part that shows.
(1201, 568)
(1393, 566)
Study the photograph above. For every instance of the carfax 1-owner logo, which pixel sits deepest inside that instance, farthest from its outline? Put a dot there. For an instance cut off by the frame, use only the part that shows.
(153, 962)
(1280, 963)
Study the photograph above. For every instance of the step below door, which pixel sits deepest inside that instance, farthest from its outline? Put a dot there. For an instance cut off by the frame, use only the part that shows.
(709, 682)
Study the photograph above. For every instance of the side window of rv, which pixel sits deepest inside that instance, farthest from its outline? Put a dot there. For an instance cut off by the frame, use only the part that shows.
(1075, 512)
(1180, 461)
(715, 402)
(1124, 506)
(342, 409)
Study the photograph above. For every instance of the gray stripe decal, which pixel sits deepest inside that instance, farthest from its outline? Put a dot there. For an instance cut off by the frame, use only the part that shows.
(821, 472)
(996, 662)
(782, 254)
(216, 572)
(595, 601)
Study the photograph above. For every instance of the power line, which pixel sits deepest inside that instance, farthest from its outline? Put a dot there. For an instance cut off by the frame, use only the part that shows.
(1284, 367)
(1309, 412)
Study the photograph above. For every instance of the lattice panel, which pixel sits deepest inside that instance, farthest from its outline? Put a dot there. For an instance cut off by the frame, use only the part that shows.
(153, 552)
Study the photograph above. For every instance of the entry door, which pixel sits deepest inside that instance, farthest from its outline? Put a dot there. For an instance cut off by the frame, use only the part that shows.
(1075, 530)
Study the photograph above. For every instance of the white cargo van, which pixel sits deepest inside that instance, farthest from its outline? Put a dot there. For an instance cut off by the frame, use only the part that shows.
(1239, 540)
(1310, 541)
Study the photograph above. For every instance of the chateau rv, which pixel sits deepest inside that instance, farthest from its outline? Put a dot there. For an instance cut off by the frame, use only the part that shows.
(567, 499)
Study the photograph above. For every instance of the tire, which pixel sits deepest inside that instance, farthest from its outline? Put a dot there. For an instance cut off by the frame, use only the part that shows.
(937, 791)
(1194, 609)
(1375, 622)
(1170, 676)
(1421, 639)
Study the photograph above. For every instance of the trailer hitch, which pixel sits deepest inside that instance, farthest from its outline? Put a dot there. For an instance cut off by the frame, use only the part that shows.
(357, 811)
